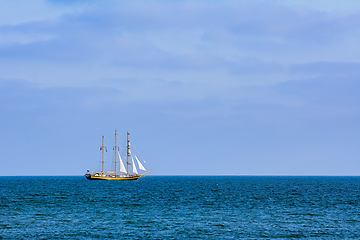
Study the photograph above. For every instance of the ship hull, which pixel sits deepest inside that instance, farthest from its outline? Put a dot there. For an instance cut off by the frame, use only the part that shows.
(112, 178)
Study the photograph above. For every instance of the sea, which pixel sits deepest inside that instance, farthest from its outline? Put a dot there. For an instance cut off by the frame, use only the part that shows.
(180, 207)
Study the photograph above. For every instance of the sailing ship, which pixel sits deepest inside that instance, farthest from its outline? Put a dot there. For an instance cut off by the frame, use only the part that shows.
(124, 173)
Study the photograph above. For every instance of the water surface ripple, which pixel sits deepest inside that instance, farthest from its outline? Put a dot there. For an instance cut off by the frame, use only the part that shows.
(176, 207)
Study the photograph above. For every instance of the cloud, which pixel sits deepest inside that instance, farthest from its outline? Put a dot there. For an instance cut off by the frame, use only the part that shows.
(253, 122)
(345, 69)
(126, 32)
(263, 75)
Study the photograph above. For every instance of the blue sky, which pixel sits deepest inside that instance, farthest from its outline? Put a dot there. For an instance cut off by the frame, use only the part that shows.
(204, 87)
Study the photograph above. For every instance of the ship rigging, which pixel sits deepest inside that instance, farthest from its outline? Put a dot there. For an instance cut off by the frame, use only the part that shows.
(124, 173)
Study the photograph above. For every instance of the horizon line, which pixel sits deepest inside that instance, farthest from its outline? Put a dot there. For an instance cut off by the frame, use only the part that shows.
(203, 175)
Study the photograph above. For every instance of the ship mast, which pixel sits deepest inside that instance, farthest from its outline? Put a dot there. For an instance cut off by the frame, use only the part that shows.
(103, 150)
(115, 150)
(128, 154)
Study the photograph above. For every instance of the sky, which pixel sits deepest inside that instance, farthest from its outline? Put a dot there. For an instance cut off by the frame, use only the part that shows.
(205, 87)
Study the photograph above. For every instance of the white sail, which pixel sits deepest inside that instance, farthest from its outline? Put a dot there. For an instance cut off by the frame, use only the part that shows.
(141, 167)
(134, 168)
(122, 167)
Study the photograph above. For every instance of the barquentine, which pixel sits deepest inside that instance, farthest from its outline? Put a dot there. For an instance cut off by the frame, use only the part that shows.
(124, 173)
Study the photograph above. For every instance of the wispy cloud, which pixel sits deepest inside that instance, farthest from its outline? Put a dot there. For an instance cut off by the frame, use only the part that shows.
(238, 67)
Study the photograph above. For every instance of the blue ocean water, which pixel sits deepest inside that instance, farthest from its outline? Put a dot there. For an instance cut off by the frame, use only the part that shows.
(177, 207)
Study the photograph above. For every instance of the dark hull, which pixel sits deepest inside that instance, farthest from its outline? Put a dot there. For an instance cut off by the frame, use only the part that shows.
(112, 177)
